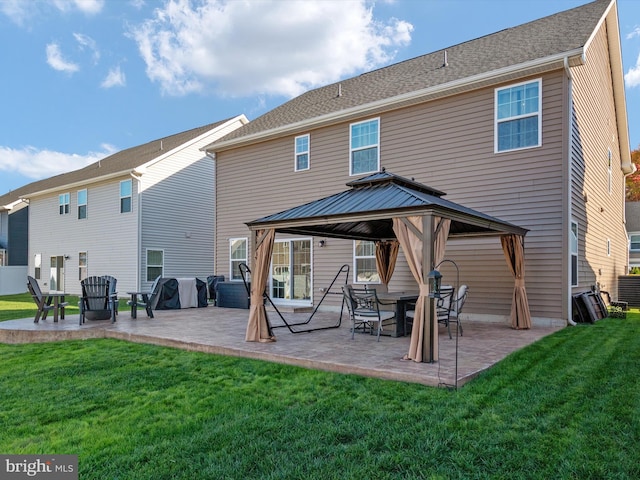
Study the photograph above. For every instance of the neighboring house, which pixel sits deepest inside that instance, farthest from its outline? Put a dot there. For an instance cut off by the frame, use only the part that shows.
(142, 212)
(14, 234)
(527, 125)
(632, 214)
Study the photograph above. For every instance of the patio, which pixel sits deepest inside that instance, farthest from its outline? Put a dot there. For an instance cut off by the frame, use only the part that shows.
(222, 331)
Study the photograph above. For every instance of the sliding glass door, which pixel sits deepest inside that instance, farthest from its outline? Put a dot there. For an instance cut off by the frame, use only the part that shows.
(291, 271)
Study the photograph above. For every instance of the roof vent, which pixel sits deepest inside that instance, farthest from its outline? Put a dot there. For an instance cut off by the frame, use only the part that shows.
(161, 145)
(446, 60)
(339, 90)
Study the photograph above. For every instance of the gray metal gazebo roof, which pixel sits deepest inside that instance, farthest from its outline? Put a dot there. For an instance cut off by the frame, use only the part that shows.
(365, 212)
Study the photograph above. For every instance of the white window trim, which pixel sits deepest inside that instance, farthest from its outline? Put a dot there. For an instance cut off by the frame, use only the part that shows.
(496, 122)
(608, 247)
(632, 234)
(81, 266)
(296, 153)
(120, 196)
(355, 266)
(231, 260)
(85, 204)
(146, 260)
(574, 254)
(351, 149)
(64, 200)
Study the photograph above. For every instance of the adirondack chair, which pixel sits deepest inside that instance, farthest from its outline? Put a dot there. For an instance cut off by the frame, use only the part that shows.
(96, 300)
(113, 293)
(43, 301)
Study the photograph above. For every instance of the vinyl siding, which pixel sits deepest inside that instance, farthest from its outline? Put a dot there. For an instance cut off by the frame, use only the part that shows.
(446, 144)
(108, 237)
(600, 214)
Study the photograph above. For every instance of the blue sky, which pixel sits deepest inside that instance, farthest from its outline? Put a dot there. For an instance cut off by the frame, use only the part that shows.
(82, 79)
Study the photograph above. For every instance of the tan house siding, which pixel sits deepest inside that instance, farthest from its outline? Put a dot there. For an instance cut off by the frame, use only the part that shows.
(447, 144)
(596, 209)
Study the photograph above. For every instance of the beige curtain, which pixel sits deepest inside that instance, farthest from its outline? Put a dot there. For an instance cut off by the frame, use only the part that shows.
(386, 256)
(412, 247)
(258, 328)
(513, 247)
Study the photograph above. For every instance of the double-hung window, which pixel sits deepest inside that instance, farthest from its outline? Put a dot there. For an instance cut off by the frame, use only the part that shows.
(82, 265)
(63, 203)
(125, 196)
(237, 255)
(82, 204)
(634, 242)
(518, 113)
(364, 147)
(573, 243)
(364, 260)
(302, 152)
(155, 264)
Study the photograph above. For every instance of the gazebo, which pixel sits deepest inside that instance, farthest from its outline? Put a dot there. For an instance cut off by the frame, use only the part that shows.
(387, 208)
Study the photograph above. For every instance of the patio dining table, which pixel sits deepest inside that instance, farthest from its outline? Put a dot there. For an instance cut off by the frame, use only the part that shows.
(401, 300)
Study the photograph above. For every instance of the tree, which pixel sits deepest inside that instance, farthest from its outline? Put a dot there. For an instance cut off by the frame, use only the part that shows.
(633, 181)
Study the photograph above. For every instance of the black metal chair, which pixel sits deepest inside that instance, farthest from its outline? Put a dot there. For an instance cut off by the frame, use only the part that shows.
(364, 309)
(444, 309)
(96, 302)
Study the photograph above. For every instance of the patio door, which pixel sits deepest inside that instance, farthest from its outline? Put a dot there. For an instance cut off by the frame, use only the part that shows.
(291, 271)
(56, 278)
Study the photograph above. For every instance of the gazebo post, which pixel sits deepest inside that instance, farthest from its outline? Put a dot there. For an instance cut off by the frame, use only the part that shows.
(430, 335)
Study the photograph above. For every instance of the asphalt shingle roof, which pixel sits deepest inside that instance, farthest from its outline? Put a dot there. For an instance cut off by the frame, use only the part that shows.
(121, 161)
(563, 32)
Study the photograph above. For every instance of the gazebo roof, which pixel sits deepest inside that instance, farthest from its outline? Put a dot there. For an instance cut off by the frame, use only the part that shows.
(365, 212)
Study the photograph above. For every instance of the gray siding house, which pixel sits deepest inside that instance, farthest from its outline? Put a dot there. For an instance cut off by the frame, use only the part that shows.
(527, 125)
(142, 212)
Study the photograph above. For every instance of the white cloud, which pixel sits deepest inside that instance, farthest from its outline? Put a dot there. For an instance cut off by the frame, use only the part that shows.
(89, 7)
(57, 62)
(265, 47)
(632, 77)
(634, 33)
(17, 10)
(115, 78)
(85, 41)
(36, 164)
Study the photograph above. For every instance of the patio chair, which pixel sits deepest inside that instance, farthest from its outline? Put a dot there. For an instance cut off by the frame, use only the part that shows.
(443, 310)
(456, 306)
(364, 309)
(144, 298)
(95, 301)
(42, 301)
(113, 293)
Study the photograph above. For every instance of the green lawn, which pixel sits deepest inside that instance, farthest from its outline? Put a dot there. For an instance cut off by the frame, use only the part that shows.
(566, 407)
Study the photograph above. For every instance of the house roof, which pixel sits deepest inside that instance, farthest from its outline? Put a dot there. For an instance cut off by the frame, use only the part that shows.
(531, 48)
(365, 212)
(121, 162)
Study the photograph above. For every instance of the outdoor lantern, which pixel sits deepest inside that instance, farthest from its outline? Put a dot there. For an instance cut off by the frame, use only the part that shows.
(434, 279)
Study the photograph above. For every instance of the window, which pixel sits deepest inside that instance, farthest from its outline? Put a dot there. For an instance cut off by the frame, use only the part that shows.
(573, 242)
(63, 202)
(364, 260)
(82, 265)
(634, 242)
(125, 196)
(518, 116)
(364, 147)
(3, 257)
(82, 204)
(238, 255)
(302, 153)
(37, 264)
(155, 264)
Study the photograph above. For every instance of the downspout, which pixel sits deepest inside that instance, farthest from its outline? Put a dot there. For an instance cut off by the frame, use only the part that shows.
(138, 176)
(212, 156)
(567, 71)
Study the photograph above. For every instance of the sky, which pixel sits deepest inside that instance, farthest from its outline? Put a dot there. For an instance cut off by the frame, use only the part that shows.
(83, 79)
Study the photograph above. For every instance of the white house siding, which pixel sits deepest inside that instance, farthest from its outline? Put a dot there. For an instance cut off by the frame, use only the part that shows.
(108, 237)
(446, 144)
(178, 215)
(600, 214)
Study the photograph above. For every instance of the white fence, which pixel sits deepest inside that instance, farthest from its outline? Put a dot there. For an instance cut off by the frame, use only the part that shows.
(13, 280)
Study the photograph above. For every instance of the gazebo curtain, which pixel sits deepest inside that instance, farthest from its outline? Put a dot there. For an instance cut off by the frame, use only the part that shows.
(386, 256)
(513, 248)
(258, 327)
(409, 232)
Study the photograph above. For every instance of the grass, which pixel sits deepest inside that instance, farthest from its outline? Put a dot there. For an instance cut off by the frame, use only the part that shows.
(565, 407)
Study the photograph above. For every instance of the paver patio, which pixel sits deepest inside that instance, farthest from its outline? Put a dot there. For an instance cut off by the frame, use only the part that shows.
(222, 331)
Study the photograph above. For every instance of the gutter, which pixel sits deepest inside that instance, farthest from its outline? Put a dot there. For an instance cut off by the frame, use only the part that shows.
(137, 175)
